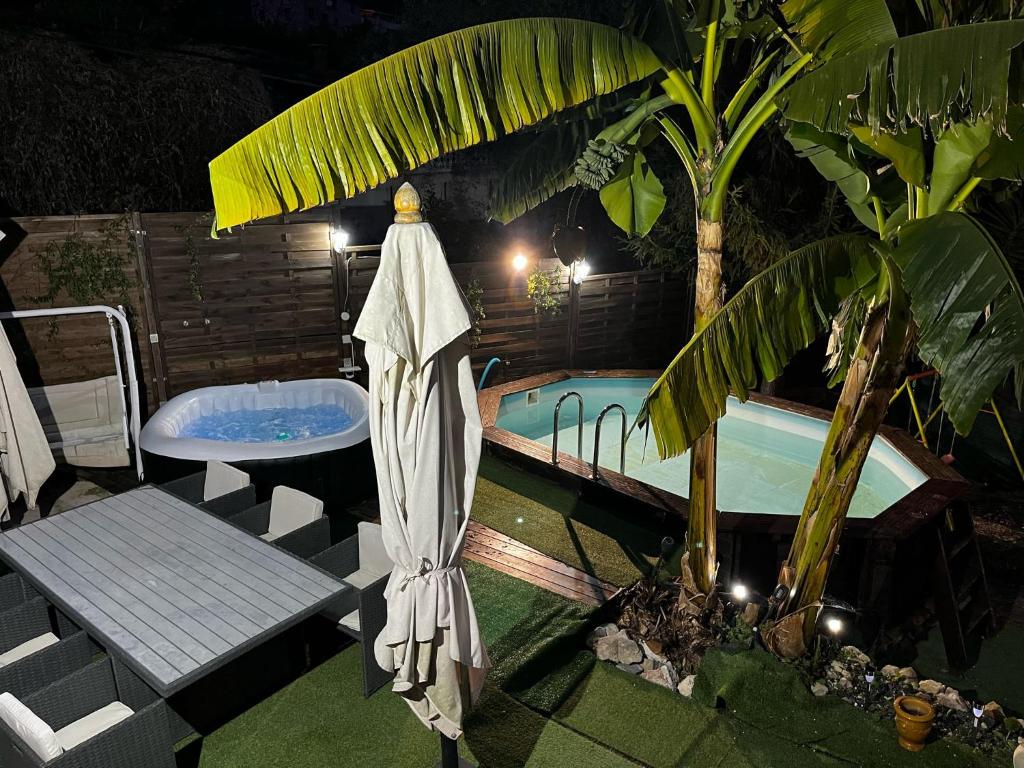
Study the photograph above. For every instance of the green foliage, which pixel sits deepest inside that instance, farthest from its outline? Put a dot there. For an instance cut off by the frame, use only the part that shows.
(475, 298)
(968, 307)
(195, 276)
(770, 319)
(932, 79)
(88, 271)
(85, 133)
(542, 288)
(464, 88)
(634, 198)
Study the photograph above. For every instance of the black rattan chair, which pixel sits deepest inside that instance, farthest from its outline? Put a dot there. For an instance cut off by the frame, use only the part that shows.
(190, 488)
(361, 612)
(303, 542)
(14, 591)
(47, 666)
(140, 741)
(23, 623)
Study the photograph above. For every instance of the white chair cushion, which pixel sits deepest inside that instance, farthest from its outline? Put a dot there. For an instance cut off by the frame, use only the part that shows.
(222, 478)
(290, 510)
(362, 578)
(350, 620)
(80, 731)
(28, 648)
(373, 558)
(39, 737)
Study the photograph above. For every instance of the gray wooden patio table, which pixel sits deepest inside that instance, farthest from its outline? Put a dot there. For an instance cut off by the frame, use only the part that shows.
(168, 588)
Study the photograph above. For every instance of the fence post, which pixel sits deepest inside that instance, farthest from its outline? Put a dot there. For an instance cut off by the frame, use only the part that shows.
(155, 348)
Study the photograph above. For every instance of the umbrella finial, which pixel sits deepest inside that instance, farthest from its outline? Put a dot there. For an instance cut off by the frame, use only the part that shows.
(407, 205)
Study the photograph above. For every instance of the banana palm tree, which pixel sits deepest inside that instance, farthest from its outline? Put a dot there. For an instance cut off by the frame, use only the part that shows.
(597, 97)
(907, 150)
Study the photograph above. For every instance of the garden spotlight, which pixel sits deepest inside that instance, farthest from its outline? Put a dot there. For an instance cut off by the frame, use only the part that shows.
(834, 625)
(740, 593)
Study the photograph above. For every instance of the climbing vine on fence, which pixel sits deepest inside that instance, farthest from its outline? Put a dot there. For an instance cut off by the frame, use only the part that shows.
(475, 297)
(88, 271)
(195, 269)
(542, 288)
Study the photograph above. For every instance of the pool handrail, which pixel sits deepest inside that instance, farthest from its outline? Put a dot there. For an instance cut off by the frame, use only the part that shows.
(487, 369)
(579, 427)
(597, 439)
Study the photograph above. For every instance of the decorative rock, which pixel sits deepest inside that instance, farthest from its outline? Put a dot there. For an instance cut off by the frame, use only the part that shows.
(908, 673)
(891, 671)
(685, 686)
(1018, 756)
(633, 669)
(660, 676)
(855, 655)
(602, 631)
(951, 699)
(819, 688)
(931, 687)
(751, 613)
(618, 648)
(838, 669)
(992, 711)
(652, 650)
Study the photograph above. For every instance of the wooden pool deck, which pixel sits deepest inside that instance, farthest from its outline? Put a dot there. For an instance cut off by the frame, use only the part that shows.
(502, 553)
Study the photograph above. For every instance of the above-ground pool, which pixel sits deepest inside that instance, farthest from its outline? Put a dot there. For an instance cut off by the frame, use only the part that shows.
(308, 434)
(766, 455)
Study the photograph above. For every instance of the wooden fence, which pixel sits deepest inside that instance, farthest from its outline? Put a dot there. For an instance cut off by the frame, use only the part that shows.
(267, 302)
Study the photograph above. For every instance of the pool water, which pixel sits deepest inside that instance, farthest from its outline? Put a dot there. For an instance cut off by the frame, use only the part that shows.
(766, 455)
(269, 425)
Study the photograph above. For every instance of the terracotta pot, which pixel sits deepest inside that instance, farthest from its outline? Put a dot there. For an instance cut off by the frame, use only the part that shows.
(914, 718)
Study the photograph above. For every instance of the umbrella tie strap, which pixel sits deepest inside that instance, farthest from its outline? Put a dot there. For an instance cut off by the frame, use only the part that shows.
(425, 569)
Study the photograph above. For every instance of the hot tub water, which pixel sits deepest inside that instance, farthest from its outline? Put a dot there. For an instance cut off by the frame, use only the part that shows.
(269, 424)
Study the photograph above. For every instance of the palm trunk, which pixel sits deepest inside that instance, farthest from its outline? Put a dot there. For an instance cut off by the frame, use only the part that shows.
(702, 527)
(874, 374)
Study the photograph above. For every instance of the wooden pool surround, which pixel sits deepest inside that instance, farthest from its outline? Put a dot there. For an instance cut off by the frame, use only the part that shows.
(905, 530)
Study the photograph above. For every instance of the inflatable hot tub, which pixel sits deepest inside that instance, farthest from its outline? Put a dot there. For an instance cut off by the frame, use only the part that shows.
(309, 434)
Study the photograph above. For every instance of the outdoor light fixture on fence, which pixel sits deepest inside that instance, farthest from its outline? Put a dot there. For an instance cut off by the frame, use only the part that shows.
(519, 262)
(339, 239)
(579, 271)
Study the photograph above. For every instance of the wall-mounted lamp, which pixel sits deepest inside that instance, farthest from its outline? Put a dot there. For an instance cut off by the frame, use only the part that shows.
(580, 270)
(520, 262)
(339, 239)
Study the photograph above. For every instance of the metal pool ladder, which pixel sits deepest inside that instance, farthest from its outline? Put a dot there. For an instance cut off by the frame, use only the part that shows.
(597, 440)
(579, 426)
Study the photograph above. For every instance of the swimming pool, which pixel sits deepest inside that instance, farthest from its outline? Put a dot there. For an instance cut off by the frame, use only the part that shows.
(768, 450)
(766, 455)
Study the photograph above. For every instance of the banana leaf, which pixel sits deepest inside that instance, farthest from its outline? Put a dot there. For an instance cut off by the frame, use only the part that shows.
(832, 28)
(931, 78)
(968, 307)
(755, 334)
(446, 94)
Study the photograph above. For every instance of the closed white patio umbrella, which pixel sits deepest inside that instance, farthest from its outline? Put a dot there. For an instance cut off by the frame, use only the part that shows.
(425, 432)
(25, 457)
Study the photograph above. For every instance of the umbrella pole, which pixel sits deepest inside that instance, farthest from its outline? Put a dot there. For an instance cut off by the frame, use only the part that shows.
(450, 754)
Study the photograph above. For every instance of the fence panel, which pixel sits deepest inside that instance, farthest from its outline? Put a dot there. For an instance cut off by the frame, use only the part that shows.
(67, 349)
(256, 304)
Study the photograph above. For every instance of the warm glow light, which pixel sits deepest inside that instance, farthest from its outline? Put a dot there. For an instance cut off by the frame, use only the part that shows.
(834, 625)
(740, 592)
(339, 240)
(580, 271)
(519, 262)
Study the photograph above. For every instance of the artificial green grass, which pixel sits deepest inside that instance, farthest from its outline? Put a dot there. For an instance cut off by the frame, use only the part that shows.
(552, 519)
(322, 718)
(761, 715)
